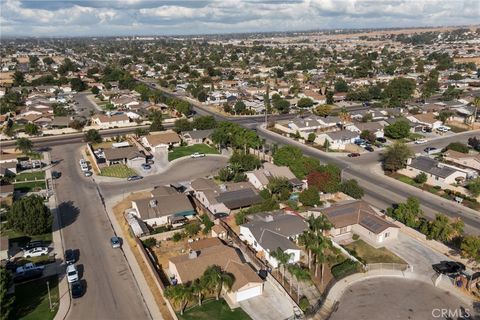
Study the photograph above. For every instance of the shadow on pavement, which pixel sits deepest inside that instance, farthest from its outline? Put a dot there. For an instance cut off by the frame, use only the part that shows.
(68, 213)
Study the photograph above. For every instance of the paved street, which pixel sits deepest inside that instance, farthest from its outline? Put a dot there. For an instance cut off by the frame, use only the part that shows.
(111, 291)
(380, 299)
(85, 106)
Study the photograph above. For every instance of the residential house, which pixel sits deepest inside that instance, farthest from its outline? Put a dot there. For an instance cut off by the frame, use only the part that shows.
(375, 127)
(130, 156)
(226, 197)
(466, 160)
(209, 252)
(161, 141)
(428, 120)
(438, 174)
(267, 232)
(8, 169)
(261, 177)
(197, 136)
(165, 206)
(124, 101)
(359, 217)
(337, 140)
(104, 121)
(9, 157)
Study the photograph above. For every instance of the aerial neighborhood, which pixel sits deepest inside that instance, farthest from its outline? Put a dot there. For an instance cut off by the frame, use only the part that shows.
(247, 176)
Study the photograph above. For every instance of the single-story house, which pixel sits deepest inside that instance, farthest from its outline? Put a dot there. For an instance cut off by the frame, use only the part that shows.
(463, 159)
(130, 156)
(261, 177)
(161, 141)
(375, 127)
(267, 232)
(165, 206)
(359, 217)
(438, 173)
(209, 252)
(338, 140)
(197, 136)
(428, 120)
(8, 169)
(117, 120)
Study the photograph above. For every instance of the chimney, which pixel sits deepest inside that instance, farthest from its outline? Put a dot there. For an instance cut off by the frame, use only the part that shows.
(192, 254)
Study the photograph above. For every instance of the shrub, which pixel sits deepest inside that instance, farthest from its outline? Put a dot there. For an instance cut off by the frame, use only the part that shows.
(192, 228)
(355, 237)
(177, 237)
(344, 269)
(421, 178)
(149, 242)
(304, 303)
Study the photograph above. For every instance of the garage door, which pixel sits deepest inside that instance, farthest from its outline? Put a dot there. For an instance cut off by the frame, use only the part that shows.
(249, 293)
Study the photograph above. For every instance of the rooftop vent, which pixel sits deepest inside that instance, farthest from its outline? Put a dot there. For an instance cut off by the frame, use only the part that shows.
(153, 203)
(192, 254)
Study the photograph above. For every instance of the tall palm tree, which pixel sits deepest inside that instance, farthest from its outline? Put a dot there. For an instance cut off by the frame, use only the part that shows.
(179, 294)
(283, 258)
(301, 275)
(199, 287)
(216, 279)
(307, 239)
(476, 103)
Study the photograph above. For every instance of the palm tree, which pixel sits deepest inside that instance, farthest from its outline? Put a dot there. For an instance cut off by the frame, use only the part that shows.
(283, 258)
(199, 286)
(179, 294)
(307, 239)
(216, 278)
(301, 275)
(25, 145)
(476, 103)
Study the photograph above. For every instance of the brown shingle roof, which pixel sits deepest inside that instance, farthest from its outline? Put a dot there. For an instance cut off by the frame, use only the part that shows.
(162, 138)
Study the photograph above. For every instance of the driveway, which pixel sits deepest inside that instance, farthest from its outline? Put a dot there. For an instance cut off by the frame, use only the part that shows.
(415, 253)
(271, 305)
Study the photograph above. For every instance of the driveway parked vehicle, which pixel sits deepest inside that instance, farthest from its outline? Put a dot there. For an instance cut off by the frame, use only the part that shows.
(33, 244)
(29, 266)
(115, 242)
(88, 173)
(146, 166)
(197, 155)
(430, 150)
(353, 155)
(382, 140)
(134, 178)
(72, 273)
(36, 252)
(449, 267)
(420, 141)
(369, 148)
(27, 275)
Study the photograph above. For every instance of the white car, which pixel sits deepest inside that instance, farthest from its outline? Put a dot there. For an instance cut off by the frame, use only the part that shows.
(72, 273)
(443, 128)
(84, 167)
(82, 162)
(35, 252)
(420, 141)
(197, 155)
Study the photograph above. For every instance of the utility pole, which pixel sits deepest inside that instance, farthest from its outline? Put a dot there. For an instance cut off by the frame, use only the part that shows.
(267, 104)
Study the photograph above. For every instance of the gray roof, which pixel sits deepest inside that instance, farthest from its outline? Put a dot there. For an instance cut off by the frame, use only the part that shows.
(239, 198)
(342, 135)
(431, 166)
(174, 204)
(122, 153)
(198, 134)
(273, 230)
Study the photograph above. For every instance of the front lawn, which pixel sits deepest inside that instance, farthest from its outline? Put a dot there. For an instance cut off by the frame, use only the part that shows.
(368, 254)
(218, 310)
(23, 239)
(118, 171)
(28, 176)
(31, 299)
(30, 186)
(188, 150)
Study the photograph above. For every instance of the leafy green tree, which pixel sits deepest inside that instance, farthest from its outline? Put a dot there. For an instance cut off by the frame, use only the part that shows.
(408, 213)
(239, 107)
(182, 125)
(329, 97)
(341, 85)
(323, 110)
(78, 85)
(183, 107)
(6, 302)
(93, 136)
(351, 188)
(400, 89)
(293, 158)
(244, 162)
(470, 247)
(149, 242)
(25, 145)
(59, 110)
(421, 178)
(451, 93)
(204, 122)
(31, 129)
(309, 197)
(76, 124)
(305, 103)
(474, 142)
(398, 130)
(192, 229)
(311, 137)
(18, 78)
(368, 135)
(444, 115)
(95, 90)
(140, 132)
(280, 188)
(474, 187)
(282, 105)
(457, 146)
(156, 119)
(443, 229)
(395, 156)
(30, 215)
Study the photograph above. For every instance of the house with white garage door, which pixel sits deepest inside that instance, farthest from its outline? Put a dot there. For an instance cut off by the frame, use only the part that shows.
(161, 141)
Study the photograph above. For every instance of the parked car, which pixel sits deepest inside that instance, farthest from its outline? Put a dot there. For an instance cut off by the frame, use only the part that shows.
(146, 166)
(443, 129)
(430, 150)
(33, 244)
(77, 289)
(448, 267)
(115, 242)
(36, 252)
(353, 155)
(82, 162)
(28, 266)
(382, 140)
(72, 273)
(69, 256)
(84, 168)
(420, 141)
(88, 173)
(197, 155)
(369, 148)
(56, 174)
(28, 275)
(133, 178)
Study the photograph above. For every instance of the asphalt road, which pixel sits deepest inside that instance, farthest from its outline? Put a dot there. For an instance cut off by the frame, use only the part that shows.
(111, 290)
(84, 106)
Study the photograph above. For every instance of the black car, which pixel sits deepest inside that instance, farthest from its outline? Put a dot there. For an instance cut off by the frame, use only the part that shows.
(382, 140)
(77, 289)
(369, 148)
(449, 267)
(69, 256)
(56, 174)
(28, 275)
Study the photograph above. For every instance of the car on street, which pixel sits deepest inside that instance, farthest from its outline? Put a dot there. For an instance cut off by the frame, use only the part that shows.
(115, 242)
(420, 141)
(369, 148)
(84, 167)
(88, 173)
(69, 256)
(382, 140)
(36, 252)
(448, 267)
(77, 289)
(197, 155)
(443, 129)
(430, 150)
(56, 174)
(27, 275)
(134, 178)
(28, 266)
(82, 162)
(353, 155)
(72, 273)
(146, 166)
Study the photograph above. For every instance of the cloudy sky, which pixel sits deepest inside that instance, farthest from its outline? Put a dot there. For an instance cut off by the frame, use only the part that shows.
(169, 17)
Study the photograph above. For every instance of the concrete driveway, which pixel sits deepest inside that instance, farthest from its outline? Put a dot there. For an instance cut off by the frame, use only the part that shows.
(271, 305)
(415, 253)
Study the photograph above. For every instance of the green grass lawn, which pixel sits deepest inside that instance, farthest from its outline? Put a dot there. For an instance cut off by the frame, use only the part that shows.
(22, 238)
(39, 175)
(118, 171)
(188, 150)
(369, 254)
(31, 300)
(218, 310)
(30, 186)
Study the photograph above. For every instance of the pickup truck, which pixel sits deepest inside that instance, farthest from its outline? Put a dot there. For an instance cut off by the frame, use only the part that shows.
(29, 266)
(448, 267)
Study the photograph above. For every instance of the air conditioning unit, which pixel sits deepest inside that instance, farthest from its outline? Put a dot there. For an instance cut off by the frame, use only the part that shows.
(153, 203)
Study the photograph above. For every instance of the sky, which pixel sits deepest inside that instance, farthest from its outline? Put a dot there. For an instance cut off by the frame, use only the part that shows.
(41, 18)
